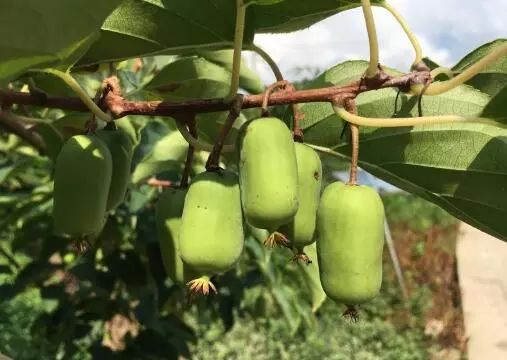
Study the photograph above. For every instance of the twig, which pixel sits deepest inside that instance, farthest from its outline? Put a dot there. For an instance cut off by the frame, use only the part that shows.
(159, 183)
(350, 105)
(15, 125)
(420, 97)
(192, 128)
(214, 157)
(297, 117)
(269, 60)
(119, 107)
(298, 133)
(328, 151)
(181, 124)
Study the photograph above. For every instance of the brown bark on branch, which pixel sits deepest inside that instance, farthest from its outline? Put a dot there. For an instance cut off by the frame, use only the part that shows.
(14, 125)
(119, 107)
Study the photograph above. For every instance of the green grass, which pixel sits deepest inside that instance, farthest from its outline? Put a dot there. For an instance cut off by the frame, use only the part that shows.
(16, 319)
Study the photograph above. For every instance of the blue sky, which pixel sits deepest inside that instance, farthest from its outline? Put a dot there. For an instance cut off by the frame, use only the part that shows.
(447, 30)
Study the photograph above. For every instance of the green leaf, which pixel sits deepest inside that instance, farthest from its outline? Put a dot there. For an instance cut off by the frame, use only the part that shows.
(196, 78)
(154, 129)
(460, 167)
(210, 125)
(248, 80)
(494, 77)
(324, 128)
(312, 277)
(6, 172)
(263, 2)
(430, 63)
(52, 138)
(316, 113)
(142, 27)
(126, 125)
(293, 15)
(433, 65)
(191, 78)
(37, 33)
(497, 107)
(284, 297)
(71, 124)
(167, 154)
(90, 82)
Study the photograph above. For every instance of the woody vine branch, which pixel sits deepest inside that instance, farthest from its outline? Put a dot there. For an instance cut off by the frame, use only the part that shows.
(120, 107)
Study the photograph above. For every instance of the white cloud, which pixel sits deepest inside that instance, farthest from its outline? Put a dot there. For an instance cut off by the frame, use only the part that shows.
(447, 30)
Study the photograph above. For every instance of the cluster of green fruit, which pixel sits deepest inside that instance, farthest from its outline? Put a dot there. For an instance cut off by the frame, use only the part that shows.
(92, 174)
(278, 189)
(201, 228)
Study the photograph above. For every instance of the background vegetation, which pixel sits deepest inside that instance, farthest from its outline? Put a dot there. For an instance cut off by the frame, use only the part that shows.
(114, 301)
(35, 324)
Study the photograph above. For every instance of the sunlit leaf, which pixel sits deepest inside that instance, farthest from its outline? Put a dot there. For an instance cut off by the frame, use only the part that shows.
(491, 79)
(37, 33)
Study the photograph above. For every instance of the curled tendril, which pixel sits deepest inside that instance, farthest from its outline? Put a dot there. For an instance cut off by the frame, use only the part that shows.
(413, 121)
(270, 90)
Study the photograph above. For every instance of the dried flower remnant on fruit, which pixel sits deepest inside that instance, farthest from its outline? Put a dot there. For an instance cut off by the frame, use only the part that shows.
(351, 314)
(276, 239)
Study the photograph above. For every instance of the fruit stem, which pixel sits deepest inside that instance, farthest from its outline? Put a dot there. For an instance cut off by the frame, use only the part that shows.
(74, 85)
(214, 158)
(269, 60)
(327, 151)
(238, 47)
(411, 36)
(91, 124)
(372, 38)
(441, 87)
(297, 132)
(413, 121)
(350, 105)
(190, 153)
(354, 131)
(196, 143)
(111, 126)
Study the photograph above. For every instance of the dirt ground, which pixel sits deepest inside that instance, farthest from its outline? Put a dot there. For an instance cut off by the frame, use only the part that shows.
(428, 259)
